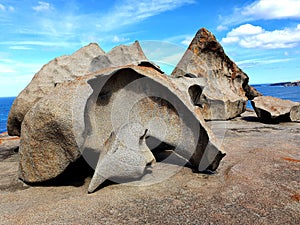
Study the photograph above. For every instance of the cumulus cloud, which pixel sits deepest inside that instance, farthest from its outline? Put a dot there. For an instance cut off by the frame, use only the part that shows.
(250, 36)
(246, 29)
(262, 10)
(42, 6)
(271, 9)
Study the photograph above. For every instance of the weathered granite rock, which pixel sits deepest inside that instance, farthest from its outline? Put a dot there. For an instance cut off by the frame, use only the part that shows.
(273, 110)
(120, 56)
(60, 69)
(80, 116)
(122, 161)
(295, 113)
(226, 91)
(87, 59)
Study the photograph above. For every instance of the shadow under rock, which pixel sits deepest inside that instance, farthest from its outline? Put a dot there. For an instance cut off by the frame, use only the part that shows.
(251, 119)
(74, 175)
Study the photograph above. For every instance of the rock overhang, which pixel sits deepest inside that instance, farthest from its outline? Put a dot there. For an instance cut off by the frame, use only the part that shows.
(86, 133)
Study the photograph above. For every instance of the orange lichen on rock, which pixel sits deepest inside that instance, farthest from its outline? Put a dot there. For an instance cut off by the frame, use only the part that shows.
(296, 197)
(3, 134)
(291, 159)
(4, 137)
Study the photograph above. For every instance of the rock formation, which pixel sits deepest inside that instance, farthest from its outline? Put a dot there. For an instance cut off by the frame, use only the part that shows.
(115, 108)
(66, 68)
(112, 113)
(58, 70)
(274, 110)
(120, 56)
(295, 113)
(226, 90)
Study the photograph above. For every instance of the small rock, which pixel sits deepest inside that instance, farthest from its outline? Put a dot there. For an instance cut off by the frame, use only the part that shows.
(274, 110)
(295, 113)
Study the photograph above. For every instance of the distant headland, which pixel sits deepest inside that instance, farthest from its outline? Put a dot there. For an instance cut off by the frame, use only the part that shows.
(287, 84)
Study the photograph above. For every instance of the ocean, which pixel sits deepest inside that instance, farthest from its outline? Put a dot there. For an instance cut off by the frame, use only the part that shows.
(288, 93)
(5, 104)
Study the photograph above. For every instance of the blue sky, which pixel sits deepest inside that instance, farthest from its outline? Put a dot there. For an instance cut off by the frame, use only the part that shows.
(262, 37)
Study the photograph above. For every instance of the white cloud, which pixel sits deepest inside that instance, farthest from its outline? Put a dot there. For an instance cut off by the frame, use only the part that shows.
(6, 69)
(262, 10)
(222, 28)
(2, 7)
(187, 40)
(11, 8)
(133, 11)
(250, 63)
(258, 62)
(229, 40)
(19, 48)
(118, 39)
(15, 75)
(249, 36)
(272, 9)
(22, 44)
(102, 25)
(5, 8)
(246, 29)
(42, 6)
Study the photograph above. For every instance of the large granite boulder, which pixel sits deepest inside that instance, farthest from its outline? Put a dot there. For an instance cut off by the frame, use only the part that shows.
(120, 56)
(116, 116)
(86, 60)
(274, 110)
(226, 90)
(58, 70)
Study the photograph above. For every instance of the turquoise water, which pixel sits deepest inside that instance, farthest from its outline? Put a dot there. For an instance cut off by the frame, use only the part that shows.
(288, 93)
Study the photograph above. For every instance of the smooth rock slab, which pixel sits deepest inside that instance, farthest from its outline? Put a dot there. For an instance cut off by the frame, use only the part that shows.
(273, 110)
